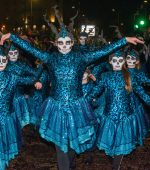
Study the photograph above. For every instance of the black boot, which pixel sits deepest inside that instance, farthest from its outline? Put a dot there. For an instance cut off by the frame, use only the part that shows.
(117, 162)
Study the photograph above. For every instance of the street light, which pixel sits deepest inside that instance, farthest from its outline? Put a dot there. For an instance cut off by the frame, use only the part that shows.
(31, 10)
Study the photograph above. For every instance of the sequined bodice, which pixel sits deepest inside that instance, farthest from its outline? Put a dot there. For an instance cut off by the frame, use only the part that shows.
(67, 72)
(118, 101)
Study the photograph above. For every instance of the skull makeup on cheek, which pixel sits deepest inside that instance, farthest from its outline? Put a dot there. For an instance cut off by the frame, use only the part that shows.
(131, 61)
(13, 55)
(117, 60)
(117, 63)
(3, 62)
(64, 45)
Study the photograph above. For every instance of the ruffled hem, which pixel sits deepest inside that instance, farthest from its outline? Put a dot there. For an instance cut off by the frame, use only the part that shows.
(73, 128)
(34, 104)
(128, 148)
(122, 137)
(77, 144)
(22, 110)
(10, 139)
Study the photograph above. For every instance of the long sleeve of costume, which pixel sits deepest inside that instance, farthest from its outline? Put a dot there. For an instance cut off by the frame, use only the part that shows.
(28, 70)
(101, 68)
(43, 78)
(43, 56)
(97, 90)
(90, 57)
(25, 80)
(142, 78)
(142, 94)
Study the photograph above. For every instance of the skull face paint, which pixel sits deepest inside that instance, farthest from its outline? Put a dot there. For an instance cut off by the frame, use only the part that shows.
(82, 40)
(64, 45)
(3, 62)
(131, 61)
(117, 63)
(13, 55)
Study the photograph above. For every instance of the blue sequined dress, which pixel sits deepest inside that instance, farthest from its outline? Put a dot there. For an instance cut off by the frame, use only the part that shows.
(10, 130)
(20, 106)
(122, 120)
(67, 118)
(37, 97)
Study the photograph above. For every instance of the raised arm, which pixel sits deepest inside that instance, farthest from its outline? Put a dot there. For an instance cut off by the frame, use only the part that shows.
(92, 56)
(26, 46)
(142, 79)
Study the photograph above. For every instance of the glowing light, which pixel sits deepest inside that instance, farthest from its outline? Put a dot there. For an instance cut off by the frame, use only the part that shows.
(43, 27)
(52, 18)
(34, 26)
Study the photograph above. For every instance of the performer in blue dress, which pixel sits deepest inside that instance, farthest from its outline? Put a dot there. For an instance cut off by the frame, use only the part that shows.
(18, 67)
(37, 96)
(122, 120)
(88, 82)
(133, 64)
(10, 130)
(67, 120)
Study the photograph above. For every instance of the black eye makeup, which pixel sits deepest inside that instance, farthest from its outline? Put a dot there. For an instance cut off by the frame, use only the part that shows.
(60, 43)
(114, 60)
(120, 60)
(68, 42)
(133, 58)
(10, 53)
(4, 60)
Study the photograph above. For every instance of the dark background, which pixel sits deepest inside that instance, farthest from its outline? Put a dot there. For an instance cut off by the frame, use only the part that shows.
(101, 12)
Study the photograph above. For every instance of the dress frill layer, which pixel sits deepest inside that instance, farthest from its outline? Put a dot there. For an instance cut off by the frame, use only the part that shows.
(122, 136)
(10, 139)
(34, 104)
(21, 109)
(71, 125)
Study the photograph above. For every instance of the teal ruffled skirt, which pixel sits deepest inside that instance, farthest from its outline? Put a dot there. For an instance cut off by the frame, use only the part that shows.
(122, 136)
(21, 108)
(35, 102)
(68, 126)
(10, 139)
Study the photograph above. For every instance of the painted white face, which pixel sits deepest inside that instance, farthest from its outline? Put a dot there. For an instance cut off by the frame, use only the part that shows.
(3, 62)
(64, 45)
(13, 55)
(131, 61)
(82, 40)
(117, 62)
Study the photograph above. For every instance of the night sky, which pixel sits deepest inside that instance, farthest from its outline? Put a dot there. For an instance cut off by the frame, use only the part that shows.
(102, 10)
(98, 10)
